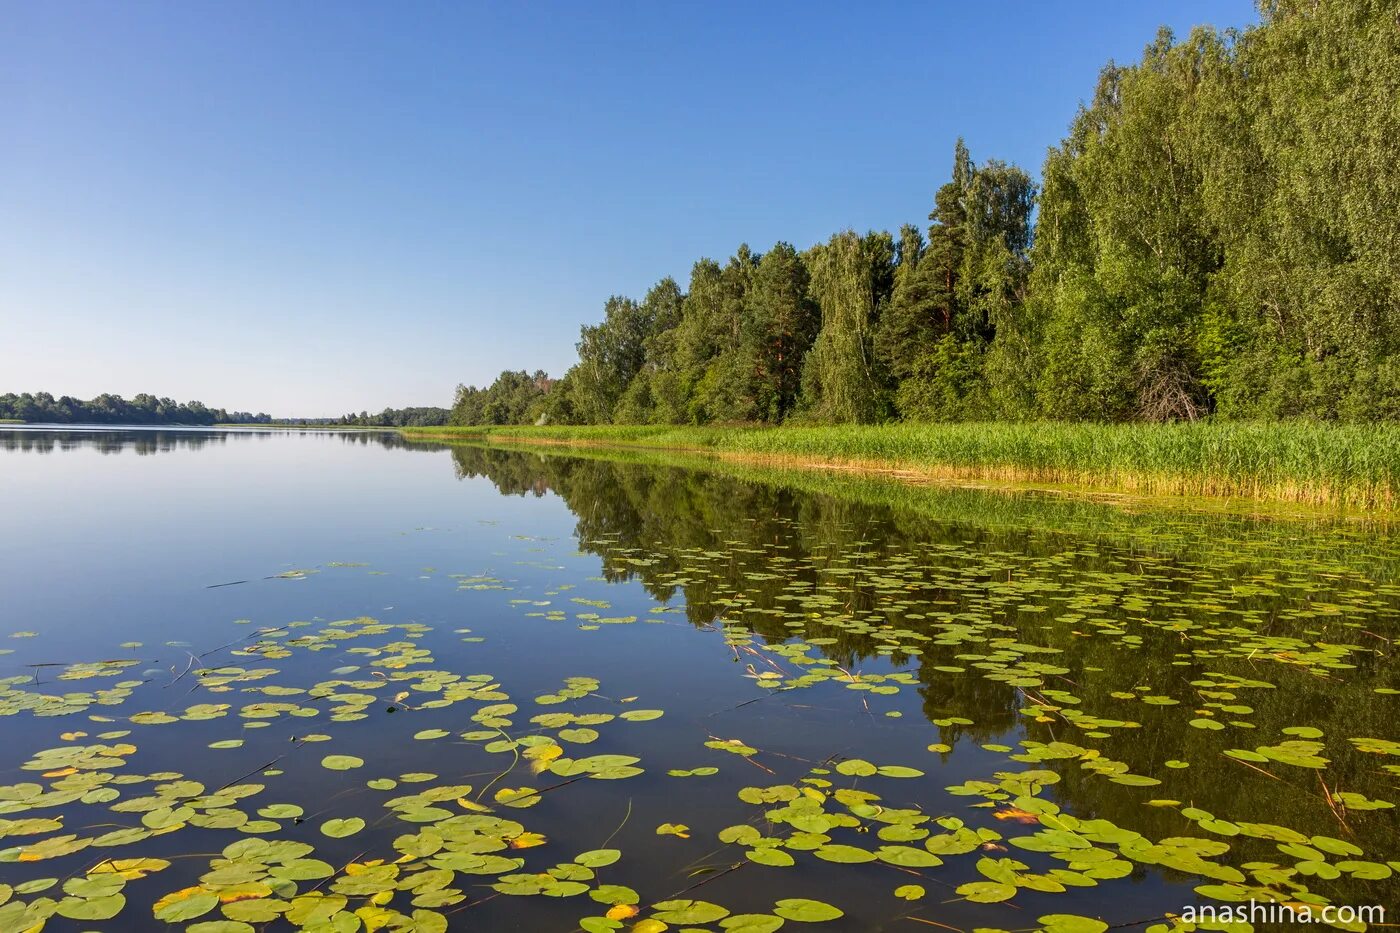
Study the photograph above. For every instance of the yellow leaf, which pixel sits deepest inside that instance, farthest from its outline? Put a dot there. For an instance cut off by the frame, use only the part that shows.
(622, 912)
(61, 772)
(541, 755)
(130, 868)
(376, 918)
(359, 868)
(382, 898)
(527, 841)
(1017, 814)
(467, 804)
(176, 896)
(251, 890)
(649, 926)
(70, 736)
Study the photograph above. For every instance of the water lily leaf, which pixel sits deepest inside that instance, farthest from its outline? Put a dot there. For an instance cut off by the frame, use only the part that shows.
(427, 734)
(743, 834)
(342, 762)
(987, 892)
(907, 857)
(614, 894)
(340, 828)
(131, 868)
(770, 856)
(97, 908)
(803, 910)
(844, 854)
(184, 904)
(751, 923)
(302, 869)
(688, 911)
(898, 771)
(1071, 923)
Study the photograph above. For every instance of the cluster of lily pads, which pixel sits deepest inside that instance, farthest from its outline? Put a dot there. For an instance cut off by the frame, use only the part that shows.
(1061, 644)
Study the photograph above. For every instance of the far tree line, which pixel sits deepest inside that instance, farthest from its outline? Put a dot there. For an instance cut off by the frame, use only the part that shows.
(396, 418)
(44, 408)
(1215, 236)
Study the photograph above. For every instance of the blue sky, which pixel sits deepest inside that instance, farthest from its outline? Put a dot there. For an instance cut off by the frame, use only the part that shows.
(310, 208)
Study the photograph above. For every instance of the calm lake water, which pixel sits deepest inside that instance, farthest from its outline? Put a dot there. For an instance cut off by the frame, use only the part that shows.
(337, 681)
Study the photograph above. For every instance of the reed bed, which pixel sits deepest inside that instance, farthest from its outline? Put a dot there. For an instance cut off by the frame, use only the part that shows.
(1297, 461)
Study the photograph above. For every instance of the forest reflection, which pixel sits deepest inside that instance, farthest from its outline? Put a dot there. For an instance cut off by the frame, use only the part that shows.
(1117, 612)
(147, 441)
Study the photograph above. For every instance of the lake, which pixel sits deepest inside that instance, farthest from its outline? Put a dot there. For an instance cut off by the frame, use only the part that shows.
(339, 681)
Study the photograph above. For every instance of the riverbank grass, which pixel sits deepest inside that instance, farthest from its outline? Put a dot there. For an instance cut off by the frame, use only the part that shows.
(1337, 465)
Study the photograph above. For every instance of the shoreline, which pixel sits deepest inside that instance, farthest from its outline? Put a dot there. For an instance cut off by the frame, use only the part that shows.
(1088, 459)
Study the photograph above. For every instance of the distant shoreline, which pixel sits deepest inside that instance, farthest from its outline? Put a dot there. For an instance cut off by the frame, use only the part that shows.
(146, 426)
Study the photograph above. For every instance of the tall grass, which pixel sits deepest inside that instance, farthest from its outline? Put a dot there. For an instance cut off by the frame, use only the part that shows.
(1296, 461)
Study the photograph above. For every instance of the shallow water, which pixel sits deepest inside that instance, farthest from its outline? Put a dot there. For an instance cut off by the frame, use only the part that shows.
(553, 684)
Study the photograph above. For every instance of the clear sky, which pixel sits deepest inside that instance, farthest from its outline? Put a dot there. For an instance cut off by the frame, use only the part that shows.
(310, 207)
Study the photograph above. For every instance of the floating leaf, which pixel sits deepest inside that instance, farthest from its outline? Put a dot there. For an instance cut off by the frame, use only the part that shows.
(342, 762)
(340, 828)
(806, 911)
(184, 904)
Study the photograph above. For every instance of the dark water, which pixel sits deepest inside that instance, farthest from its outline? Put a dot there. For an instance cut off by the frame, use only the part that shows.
(1042, 712)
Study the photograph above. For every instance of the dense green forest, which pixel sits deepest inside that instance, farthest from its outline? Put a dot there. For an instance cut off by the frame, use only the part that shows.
(43, 408)
(113, 409)
(396, 418)
(1217, 235)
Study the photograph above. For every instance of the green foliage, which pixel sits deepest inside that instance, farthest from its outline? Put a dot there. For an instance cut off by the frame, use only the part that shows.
(780, 327)
(41, 407)
(1215, 236)
(610, 354)
(398, 418)
(841, 378)
(1217, 232)
(514, 398)
(1301, 461)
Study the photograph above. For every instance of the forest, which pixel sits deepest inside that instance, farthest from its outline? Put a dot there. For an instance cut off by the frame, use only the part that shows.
(43, 408)
(1215, 237)
(423, 416)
